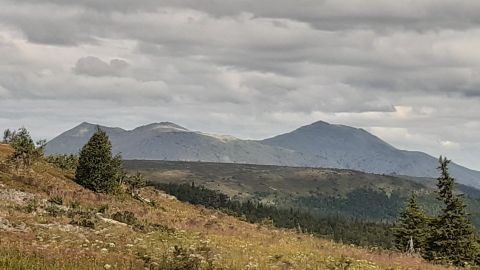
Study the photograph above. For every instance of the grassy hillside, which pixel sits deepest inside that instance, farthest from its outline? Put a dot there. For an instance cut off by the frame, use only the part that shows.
(320, 191)
(49, 222)
(243, 180)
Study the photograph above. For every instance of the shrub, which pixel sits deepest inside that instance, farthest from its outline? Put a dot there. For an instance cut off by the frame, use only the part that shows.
(87, 220)
(151, 227)
(103, 208)
(64, 162)
(32, 206)
(55, 211)
(75, 205)
(134, 182)
(56, 200)
(126, 217)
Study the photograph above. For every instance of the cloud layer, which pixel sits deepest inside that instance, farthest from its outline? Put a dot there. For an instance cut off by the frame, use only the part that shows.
(406, 71)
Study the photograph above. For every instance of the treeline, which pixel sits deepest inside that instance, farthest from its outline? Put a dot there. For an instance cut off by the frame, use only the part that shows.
(363, 204)
(340, 229)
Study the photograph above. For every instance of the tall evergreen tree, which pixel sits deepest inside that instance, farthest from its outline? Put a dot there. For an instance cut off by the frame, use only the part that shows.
(452, 238)
(97, 169)
(412, 226)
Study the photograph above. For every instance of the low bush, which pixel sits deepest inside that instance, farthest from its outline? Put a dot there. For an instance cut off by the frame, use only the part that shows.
(83, 221)
(103, 208)
(32, 206)
(56, 200)
(75, 205)
(64, 162)
(55, 211)
(152, 227)
(82, 218)
(125, 217)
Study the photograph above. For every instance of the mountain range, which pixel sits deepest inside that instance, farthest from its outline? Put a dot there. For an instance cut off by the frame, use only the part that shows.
(316, 145)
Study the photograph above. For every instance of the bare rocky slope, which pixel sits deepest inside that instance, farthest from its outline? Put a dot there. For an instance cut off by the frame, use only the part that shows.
(317, 145)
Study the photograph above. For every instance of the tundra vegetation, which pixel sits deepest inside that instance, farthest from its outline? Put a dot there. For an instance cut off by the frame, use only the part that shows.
(53, 217)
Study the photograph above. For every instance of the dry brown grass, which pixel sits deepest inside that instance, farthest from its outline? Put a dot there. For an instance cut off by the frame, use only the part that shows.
(224, 240)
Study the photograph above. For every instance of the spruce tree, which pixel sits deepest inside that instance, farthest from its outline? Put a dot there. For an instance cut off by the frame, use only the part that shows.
(412, 225)
(97, 169)
(452, 238)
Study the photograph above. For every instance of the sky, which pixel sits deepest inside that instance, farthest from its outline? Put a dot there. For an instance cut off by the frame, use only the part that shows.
(406, 71)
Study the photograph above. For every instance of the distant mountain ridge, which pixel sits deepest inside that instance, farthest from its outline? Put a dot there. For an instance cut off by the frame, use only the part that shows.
(316, 145)
(168, 141)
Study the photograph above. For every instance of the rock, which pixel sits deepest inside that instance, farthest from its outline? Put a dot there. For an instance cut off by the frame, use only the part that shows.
(5, 225)
(107, 266)
(104, 250)
(22, 226)
(167, 196)
(110, 221)
(15, 196)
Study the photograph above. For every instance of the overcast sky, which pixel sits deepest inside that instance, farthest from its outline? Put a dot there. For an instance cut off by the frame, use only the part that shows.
(407, 71)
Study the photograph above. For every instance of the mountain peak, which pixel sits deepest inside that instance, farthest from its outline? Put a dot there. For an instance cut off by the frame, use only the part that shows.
(320, 123)
(82, 129)
(162, 126)
(86, 124)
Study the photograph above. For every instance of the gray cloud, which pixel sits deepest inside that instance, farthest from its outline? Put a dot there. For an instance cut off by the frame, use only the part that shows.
(408, 72)
(93, 66)
(324, 14)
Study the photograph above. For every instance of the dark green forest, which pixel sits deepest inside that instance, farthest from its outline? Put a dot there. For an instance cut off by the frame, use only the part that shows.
(361, 204)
